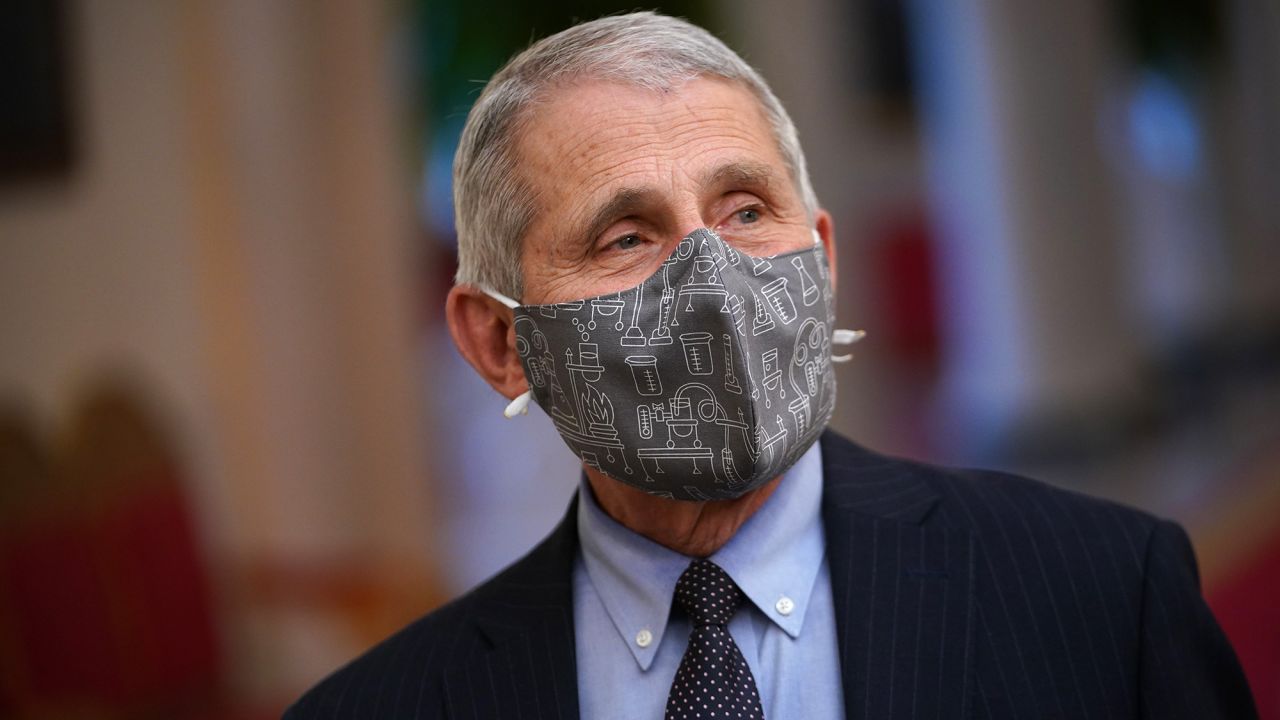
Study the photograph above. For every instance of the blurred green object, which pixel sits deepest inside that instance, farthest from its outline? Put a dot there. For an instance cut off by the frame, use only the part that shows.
(462, 42)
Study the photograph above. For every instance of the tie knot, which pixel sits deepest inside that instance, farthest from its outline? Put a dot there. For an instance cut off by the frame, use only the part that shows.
(707, 594)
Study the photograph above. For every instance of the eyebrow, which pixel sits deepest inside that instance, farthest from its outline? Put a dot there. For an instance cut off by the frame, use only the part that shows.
(631, 200)
(624, 202)
(748, 174)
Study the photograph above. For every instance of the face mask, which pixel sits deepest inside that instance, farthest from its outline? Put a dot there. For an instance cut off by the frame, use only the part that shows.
(704, 382)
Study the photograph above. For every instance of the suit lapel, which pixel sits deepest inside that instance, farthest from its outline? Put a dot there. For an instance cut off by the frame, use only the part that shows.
(901, 581)
(527, 618)
(902, 584)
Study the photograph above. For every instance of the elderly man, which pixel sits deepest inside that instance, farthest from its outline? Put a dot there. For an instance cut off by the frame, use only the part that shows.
(643, 194)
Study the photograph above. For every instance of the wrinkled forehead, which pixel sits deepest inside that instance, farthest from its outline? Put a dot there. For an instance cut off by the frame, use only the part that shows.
(586, 138)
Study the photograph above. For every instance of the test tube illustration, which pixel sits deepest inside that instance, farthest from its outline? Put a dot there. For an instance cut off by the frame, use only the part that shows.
(730, 379)
(780, 301)
(697, 353)
(772, 374)
(761, 323)
(634, 337)
(644, 371)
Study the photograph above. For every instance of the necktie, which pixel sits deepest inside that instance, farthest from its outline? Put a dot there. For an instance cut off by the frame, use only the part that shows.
(713, 680)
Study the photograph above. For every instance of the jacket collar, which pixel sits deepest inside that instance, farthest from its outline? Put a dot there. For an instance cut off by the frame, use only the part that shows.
(902, 585)
(526, 616)
(860, 481)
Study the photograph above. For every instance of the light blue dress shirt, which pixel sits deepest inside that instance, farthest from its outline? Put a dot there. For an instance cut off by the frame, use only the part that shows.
(629, 644)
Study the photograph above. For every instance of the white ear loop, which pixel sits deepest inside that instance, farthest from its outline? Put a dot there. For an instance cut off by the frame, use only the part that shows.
(845, 337)
(499, 297)
(519, 406)
(840, 337)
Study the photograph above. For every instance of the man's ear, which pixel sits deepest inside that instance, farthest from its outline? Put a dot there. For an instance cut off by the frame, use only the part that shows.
(484, 331)
(827, 231)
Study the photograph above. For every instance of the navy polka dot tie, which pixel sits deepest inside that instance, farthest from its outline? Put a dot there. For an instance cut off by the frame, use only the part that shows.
(713, 680)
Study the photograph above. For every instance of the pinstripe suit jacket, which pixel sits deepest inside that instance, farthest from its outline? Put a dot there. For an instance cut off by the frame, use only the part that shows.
(958, 594)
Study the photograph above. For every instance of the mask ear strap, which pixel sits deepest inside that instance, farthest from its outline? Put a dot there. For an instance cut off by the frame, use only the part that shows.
(519, 406)
(499, 297)
(846, 337)
(841, 337)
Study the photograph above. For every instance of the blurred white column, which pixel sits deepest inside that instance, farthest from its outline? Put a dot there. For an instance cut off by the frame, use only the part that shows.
(304, 224)
(1034, 323)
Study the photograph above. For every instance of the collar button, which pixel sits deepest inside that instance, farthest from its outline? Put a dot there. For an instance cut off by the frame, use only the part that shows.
(644, 638)
(784, 606)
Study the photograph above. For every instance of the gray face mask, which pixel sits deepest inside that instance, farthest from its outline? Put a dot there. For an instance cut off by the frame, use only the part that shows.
(704, 382)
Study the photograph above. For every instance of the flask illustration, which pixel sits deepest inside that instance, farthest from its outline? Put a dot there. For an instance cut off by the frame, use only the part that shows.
(760, 321)
(808, 288)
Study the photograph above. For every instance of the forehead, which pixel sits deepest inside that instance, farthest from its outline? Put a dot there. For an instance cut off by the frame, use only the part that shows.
(586, 139)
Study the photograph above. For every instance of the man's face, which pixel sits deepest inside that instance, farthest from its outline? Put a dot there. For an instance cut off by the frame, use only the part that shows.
(621, 174)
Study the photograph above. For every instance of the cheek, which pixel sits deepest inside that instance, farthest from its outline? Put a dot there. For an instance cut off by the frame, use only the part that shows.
(617, 271)
(591, 281)
(768, 239)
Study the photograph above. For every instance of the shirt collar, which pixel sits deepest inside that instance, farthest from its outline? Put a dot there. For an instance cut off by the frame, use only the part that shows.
(774, 557)
(776, 554)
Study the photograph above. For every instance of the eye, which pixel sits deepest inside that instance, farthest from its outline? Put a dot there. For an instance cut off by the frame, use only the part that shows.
(746, 216)
(628, 242)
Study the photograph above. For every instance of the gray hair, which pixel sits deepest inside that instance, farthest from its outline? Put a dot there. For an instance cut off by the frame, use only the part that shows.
(493, 203)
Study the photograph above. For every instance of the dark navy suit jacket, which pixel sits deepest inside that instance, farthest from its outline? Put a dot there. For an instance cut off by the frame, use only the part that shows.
(958, 594)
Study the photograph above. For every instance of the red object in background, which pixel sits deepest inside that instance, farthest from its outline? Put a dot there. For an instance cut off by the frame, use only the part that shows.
(156, 580)
(62, 639)
(106, 600)
(1247, 605)
(906, 292)
(108, 605)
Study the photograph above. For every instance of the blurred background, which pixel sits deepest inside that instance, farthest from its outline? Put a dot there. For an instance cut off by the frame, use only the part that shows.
(237, 446)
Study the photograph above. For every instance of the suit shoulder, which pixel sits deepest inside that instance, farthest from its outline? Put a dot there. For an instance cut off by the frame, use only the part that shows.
(1002, 506)
(399, 672)
(403, 675)
(1016, 490)
(965, 491)
(1026, 520)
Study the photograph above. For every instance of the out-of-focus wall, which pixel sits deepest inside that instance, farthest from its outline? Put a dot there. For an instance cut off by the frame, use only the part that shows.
(236, 236)
(100, 266)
